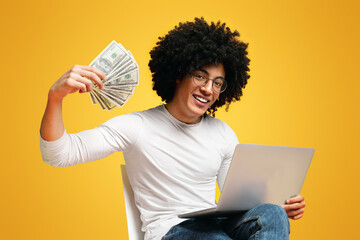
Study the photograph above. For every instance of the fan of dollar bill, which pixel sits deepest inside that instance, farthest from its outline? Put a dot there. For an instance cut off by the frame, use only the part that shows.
(122, 74)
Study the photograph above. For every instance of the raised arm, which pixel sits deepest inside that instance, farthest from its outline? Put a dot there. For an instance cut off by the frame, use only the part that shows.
(77, 79)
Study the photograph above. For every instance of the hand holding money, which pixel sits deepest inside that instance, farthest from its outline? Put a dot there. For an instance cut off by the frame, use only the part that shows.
(78, 78)
(122, 74)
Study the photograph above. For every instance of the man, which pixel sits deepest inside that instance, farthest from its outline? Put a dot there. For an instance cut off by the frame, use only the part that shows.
(175, 152)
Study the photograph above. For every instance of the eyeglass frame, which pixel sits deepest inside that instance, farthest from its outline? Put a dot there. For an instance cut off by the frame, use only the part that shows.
(207, 79)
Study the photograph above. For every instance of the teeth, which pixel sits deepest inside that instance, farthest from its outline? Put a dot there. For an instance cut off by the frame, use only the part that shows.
(201, 99)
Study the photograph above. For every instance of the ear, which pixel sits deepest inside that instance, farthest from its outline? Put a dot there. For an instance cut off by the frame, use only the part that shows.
(177, 81)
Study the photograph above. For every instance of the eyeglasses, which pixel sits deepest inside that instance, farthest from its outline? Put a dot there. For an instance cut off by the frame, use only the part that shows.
(218, 84)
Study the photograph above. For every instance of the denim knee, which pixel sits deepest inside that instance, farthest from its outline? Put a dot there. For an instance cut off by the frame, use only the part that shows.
(271, 214)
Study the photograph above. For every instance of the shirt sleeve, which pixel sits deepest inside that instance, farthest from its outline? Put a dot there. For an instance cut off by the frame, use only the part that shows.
(117, 134)
(231, 142)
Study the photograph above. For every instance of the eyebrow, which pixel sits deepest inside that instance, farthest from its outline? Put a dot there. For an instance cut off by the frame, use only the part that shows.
(206, 72)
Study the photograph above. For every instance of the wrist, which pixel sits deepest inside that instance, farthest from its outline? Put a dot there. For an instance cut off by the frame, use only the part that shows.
(53, 97)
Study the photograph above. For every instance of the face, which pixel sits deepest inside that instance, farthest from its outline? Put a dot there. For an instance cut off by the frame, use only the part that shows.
(190, 101)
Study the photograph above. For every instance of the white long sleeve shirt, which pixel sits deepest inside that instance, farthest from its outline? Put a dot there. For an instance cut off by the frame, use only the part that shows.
(172, 166)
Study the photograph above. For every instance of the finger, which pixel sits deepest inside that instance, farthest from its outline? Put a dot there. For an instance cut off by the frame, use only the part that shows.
(95, 70)
(298, 198)
(297, 217)
(84, 81)
(295, 212)
(92, 76)
(294, 206)
(78, 86)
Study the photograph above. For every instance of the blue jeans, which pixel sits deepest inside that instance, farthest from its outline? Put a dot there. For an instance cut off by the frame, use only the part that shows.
(266, 221)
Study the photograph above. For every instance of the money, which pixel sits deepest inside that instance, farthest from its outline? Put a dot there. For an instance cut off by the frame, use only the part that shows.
(127, 79)
(122, 74)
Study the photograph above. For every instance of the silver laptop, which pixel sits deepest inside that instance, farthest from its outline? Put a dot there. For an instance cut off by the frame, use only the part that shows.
(260, 174)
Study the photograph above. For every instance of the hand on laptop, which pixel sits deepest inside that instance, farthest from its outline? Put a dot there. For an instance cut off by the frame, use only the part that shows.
(295, 207)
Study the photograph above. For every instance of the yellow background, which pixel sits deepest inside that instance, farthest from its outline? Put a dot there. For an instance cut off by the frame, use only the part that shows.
(303, 91)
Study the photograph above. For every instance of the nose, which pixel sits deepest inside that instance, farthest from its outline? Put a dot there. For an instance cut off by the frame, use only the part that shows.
(207, 88)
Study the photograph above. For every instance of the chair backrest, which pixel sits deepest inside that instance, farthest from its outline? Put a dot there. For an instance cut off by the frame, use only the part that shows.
(132, 213)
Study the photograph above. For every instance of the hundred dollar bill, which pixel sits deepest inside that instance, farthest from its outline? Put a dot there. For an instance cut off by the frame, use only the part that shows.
(122, 74)
(107, 102)
(92, 97)
(128, 58)
(103, 102)
(123, 97)
(98, 101)
(130, 78)
(125, 61)
(128, 64)
(109, 57)
(111, 98)
(133, 65)
(125, 68)
(125, 89)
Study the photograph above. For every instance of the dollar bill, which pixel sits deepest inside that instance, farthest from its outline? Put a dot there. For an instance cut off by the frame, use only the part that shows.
(123, 97)
(125, 89)
(130, 78)
(111, 98)
(109, 58)
(124, 69)
(122, 74)
(93, 98)
(119, 66)
(107, 102)
(98, 101)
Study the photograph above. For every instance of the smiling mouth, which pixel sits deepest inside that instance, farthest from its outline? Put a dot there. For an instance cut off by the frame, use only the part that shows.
(200, 99)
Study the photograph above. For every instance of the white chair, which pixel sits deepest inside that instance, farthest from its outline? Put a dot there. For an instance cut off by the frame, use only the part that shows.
(132, 213)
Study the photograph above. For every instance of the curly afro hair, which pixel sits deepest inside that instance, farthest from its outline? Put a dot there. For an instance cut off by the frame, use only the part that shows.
(192, 45)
